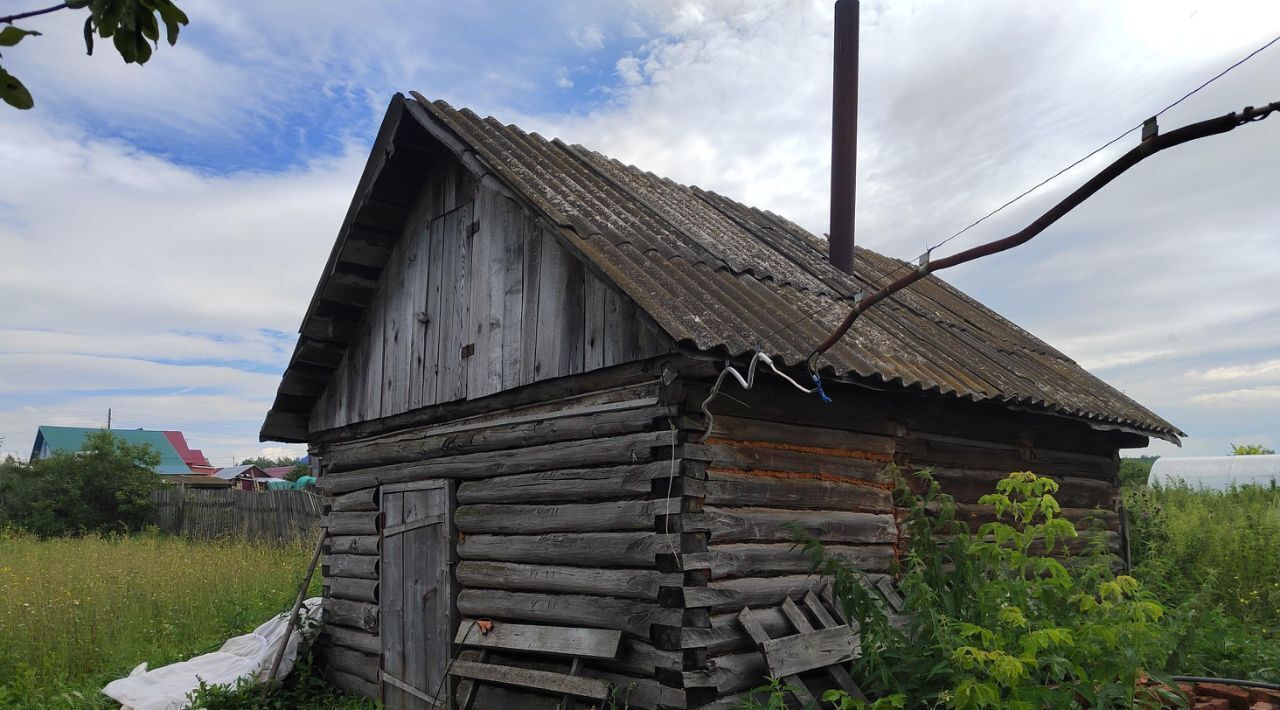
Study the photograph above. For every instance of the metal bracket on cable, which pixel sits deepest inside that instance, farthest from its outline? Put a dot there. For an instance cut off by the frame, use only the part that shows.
(747, 383)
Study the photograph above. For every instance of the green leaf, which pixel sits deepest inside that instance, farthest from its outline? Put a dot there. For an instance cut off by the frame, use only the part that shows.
(13, 92)
(11, 35)
(88, 35)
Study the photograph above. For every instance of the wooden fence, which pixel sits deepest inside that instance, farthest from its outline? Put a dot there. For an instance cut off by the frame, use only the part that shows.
(279, 516)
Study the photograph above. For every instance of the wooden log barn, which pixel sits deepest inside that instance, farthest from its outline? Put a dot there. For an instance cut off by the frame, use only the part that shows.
(503, 372)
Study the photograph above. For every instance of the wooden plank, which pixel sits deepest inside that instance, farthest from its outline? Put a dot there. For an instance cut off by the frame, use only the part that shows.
(629, 615)
(628, 448)
(752, 627)
(481, 317)
(610, 420)
(726, 488)
(354, 566)
(370, 375)
(748, 559)
(529, 678)
(749, 591)
(768, 525)
(435, 314)
(815, 607)
(737, 456)
(567, 484)
(416, 617)
(750, 431)
(630, 583)
(803, 652)
(795, 616)
(617, 310)
(512, 238)
(593, 313)
(392, 627)
(573, 317)
(532, 279)
(551, 350)
(397, 314)
(611, 549)
(418, 282)
(555, 640)
(454, 309)
(575, 517)
(437, 588)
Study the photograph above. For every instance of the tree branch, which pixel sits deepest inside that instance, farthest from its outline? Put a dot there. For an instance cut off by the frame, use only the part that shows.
(33, 13)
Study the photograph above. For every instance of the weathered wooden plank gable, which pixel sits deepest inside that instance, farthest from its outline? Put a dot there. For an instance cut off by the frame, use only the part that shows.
(479, 296)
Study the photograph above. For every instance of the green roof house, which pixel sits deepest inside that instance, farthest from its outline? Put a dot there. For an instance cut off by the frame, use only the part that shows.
(52, 439)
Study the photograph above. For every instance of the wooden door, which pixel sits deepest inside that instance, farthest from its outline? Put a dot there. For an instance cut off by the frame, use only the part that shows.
(416, 594)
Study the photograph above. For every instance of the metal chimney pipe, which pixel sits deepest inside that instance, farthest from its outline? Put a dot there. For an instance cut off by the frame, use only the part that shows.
(844, 134)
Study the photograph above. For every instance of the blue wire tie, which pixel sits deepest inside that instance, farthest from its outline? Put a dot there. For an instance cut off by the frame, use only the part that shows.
(817, 382)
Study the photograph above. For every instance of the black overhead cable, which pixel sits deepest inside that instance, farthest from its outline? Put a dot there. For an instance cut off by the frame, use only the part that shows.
(1152, 143)
(1042, 183)
(1104, 146)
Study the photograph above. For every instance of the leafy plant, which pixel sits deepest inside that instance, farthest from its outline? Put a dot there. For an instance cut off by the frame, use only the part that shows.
(105, 487)
(1250, 450)
(133, 26)
(994, 619)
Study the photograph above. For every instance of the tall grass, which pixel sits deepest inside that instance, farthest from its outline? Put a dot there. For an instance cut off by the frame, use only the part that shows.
(1213, 558)
(78, 612)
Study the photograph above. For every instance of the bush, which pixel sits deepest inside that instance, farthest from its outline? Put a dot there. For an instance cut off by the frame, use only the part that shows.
(991, 620)
(105, 488)
(1213, 558)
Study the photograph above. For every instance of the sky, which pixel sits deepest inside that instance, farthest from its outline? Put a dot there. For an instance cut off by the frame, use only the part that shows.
(162, 227)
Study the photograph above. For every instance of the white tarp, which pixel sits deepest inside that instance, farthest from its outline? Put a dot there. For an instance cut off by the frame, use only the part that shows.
(166, 688)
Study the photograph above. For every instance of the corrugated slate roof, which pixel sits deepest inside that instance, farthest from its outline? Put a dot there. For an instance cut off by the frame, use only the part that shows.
(729, 279)
(71, 439)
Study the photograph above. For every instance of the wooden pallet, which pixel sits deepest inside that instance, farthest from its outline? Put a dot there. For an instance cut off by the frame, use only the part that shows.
(574, 644)
(828, 647)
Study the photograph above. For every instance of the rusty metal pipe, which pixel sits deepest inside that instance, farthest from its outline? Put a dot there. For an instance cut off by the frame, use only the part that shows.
(844, 135)
(1145, 149)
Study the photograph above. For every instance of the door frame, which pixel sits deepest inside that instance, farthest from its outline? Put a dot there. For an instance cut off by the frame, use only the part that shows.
(451, 559)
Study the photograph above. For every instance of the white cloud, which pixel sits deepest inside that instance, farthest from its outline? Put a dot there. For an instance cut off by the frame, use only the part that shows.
(562, 78)
(588, 37)
(1248, 397)
(1270, 367)
(114, 258)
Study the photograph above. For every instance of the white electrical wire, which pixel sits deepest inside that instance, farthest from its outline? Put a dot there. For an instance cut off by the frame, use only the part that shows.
(746, 384)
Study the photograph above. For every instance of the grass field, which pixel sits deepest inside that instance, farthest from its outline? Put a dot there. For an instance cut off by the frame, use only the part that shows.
(1213, 558)
(76, 613)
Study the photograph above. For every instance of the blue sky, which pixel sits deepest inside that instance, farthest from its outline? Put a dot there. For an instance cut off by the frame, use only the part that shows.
(163, 227)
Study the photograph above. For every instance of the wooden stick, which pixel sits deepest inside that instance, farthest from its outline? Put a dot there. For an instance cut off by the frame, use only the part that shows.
(297, 605)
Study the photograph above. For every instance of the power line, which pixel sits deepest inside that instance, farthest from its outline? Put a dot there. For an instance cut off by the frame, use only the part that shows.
(929, 250)
(1105, 146)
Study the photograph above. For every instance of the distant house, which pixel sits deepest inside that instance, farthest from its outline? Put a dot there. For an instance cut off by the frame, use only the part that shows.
(192, 457)
(1217, 472)
(247, 477)
(278, 471)
(53, 439)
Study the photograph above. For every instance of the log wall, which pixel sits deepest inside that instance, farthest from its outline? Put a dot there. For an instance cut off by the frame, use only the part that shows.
(559, 519)
(478, 296)
(604, 507)
(777, 458)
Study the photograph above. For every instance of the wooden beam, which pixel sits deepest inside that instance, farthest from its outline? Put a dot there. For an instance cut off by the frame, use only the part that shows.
(555, 640)
(546, 681)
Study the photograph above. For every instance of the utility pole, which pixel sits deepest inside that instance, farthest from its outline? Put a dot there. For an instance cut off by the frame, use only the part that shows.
(108, 418)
